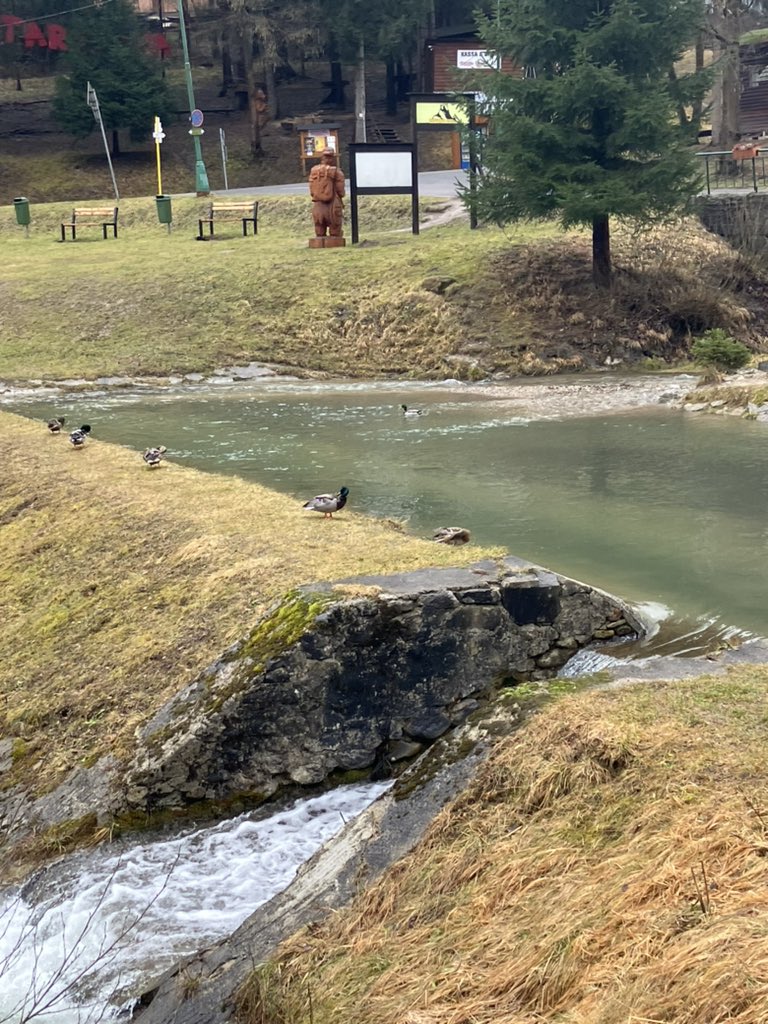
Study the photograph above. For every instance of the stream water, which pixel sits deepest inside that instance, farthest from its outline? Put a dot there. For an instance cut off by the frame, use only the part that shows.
(73, 944)
(661, 507)
(656, 505)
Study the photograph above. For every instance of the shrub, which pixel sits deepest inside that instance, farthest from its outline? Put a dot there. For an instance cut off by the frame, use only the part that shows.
(718, 349)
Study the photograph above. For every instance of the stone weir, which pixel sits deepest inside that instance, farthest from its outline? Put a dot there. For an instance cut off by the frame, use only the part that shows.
(341, 677)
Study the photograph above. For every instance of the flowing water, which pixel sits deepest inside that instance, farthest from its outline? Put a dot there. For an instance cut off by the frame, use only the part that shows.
(659, 506)
(73, 944)
(663, 508)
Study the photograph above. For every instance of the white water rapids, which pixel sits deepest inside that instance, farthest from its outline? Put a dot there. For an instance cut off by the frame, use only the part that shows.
(75, 948)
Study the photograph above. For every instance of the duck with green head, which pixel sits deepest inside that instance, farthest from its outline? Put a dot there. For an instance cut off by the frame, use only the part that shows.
(328, 503)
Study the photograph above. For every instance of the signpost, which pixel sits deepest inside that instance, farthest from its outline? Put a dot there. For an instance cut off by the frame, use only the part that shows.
(201, 176)
(93, 102)
(158, 135)
(383, 169)
(223, 142)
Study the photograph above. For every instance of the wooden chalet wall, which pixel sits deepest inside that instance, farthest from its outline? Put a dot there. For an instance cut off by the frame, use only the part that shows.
(442, 63)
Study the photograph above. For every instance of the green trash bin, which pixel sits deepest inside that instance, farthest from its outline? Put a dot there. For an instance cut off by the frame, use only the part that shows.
(21, 206)
(164, 213)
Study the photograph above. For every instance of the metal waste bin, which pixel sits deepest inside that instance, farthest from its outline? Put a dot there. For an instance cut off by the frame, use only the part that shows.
(21, 206)
(164, 213)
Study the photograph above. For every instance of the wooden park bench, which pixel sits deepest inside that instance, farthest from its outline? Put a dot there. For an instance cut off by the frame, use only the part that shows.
(246, 212)
(86, 216)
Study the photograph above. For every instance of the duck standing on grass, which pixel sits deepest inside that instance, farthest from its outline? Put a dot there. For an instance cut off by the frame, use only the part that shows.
(411, 414)
(328, 503)
(78, 437)
(154, 456)
(54, 426)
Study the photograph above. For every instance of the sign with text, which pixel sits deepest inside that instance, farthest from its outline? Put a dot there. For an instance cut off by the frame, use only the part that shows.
(473, 60)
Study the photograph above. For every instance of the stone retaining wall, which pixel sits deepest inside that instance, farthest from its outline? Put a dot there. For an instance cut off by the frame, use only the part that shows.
(336, 678)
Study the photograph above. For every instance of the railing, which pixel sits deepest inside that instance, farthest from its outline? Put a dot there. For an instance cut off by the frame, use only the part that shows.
(722, 171)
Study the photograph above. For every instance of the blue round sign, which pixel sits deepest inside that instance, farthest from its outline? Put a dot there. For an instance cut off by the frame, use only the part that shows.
(197, 118)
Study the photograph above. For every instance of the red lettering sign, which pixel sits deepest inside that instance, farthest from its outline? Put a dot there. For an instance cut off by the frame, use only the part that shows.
(55, 36)
(33, 36)
(9, 20)
(157, 43)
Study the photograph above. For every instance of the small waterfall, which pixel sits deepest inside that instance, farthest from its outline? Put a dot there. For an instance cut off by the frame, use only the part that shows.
(74, 945)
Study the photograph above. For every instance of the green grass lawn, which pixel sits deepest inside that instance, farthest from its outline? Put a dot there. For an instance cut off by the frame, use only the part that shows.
(153, 303)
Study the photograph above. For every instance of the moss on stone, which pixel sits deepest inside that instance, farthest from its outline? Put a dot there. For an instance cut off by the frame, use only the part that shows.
(283, 627)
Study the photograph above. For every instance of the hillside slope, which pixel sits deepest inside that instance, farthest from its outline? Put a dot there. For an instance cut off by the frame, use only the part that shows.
(120, 584)
(450, 302)
(606, 866)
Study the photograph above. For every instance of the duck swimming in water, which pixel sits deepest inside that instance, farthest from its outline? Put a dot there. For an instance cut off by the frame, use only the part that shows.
(412, 413)
(54, 426)
(78, 437)
(328, 503)
(154, 456)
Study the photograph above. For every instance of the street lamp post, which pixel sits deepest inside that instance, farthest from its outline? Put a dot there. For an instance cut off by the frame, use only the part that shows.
(201, 177)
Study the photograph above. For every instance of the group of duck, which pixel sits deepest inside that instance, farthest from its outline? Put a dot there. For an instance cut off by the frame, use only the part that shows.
(326, 504)
(77, 438)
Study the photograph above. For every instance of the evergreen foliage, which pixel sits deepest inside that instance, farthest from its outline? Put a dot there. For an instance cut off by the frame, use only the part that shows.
(590, 133)
(718, 349)
(107, 50)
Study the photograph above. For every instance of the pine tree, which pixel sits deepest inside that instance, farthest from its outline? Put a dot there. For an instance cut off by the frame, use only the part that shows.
(591, 131)
(107, 50)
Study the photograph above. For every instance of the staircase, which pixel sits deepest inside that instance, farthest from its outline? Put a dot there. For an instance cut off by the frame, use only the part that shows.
(378, 131)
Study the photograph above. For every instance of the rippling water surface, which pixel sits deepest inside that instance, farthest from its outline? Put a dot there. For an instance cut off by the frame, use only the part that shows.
(658, 506)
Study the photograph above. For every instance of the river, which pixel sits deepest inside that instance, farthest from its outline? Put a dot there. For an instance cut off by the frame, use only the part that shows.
(664, 508)
(661, 507)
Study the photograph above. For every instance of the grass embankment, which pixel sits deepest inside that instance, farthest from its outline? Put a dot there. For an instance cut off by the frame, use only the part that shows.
(608, 866)
(514, 302)
(119, 584)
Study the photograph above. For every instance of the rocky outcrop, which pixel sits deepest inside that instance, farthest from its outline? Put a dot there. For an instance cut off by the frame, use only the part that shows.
(334, 678)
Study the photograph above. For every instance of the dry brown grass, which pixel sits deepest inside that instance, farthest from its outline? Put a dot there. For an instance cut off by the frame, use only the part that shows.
(608, 866)
(119, 584)
(671, 284)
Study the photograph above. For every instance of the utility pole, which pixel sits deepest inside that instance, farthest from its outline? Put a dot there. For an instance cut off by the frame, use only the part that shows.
(201, 177)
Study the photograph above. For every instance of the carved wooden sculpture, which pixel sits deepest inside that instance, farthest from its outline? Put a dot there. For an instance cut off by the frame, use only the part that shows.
(326, 189)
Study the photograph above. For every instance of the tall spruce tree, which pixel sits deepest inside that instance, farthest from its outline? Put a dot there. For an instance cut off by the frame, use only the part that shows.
(590, 133)
(106, 49)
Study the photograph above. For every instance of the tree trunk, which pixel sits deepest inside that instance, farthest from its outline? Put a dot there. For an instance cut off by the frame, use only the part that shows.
(226, 64)
(391, 88)
(360, 108)
(725, 24)
(697, 108)
(336, 97)
(601, 251)
(115, 142)
(273, 107)
(254, 101)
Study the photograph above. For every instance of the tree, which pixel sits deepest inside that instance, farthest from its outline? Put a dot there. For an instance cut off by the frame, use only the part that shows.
(591, 131)
(725, 25)
(106, 49)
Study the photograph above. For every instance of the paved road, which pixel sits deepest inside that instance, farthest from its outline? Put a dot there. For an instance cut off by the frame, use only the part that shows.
(431, 183)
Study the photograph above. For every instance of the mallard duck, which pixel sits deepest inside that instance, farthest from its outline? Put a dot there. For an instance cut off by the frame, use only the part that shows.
(154, 456)
(454, 535)
(328, 503)
(55, 425)
(78, 437)
(412, 413)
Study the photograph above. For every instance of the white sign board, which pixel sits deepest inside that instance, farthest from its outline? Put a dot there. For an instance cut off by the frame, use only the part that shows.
(470, 60)
(384, 170)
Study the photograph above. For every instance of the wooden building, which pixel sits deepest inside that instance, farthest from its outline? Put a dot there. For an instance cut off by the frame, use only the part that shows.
(753, 103)
(455, 50)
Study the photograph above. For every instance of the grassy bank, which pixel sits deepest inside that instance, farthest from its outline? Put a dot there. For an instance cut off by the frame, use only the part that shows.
(607, 866)
(449, 302)
(119, 584)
